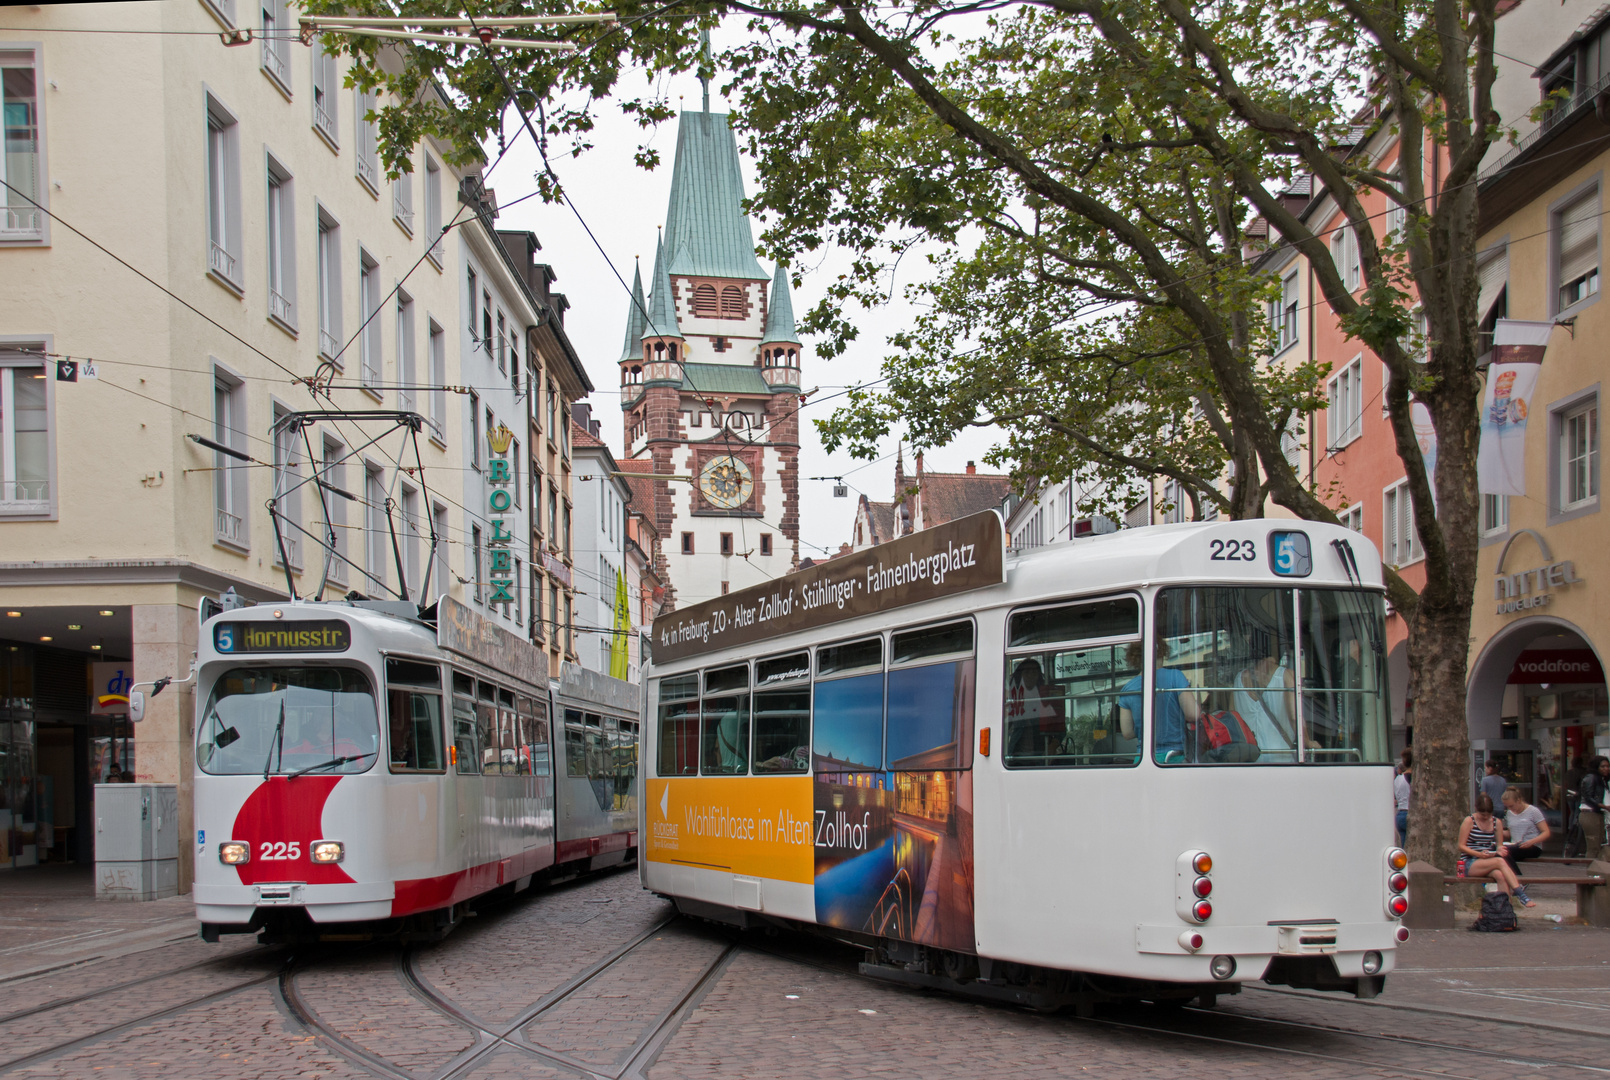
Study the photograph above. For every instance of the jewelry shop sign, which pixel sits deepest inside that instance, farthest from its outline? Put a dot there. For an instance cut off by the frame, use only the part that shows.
(954, 558)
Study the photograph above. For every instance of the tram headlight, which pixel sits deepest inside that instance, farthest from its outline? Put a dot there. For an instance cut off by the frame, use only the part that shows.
(1221, 967)
(327, 851)
(1372, 963)
(234, 853)
(1397, 859)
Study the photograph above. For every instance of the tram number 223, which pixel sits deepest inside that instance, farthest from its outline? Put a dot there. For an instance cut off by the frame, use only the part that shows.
(1232, 551)
(280, 851)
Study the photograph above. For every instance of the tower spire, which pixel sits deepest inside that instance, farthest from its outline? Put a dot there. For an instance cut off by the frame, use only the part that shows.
(636, 319)
(705, 66)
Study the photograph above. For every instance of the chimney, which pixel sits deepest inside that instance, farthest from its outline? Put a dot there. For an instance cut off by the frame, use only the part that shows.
(972, 469)
(594, 427)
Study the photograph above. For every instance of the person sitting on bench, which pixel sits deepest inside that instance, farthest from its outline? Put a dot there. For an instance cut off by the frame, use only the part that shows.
(1478, 851)
(1527, 829)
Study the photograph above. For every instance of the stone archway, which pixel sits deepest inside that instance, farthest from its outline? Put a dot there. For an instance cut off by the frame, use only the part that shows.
(1489, 672)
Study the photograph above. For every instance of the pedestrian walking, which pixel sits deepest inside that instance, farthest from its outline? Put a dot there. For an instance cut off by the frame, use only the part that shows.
(1591, 808)
(1402, 788)
(1493, 785)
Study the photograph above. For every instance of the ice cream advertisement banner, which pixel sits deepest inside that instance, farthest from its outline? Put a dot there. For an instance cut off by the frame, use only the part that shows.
(1518, 349)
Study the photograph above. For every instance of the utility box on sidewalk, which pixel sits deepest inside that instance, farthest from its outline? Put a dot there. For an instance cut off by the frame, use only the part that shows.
(136, 841)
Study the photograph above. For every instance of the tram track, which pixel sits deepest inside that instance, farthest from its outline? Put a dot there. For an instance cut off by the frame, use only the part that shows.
(488, 1037)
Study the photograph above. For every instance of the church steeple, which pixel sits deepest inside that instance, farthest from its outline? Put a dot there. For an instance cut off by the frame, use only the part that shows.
(661, 322)
(779, 343)
(636, 319)
(706, 231)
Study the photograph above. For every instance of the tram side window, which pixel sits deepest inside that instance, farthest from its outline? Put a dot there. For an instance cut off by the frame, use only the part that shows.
(465, 746)
(534, 733)
(1224, 690)
(1345, 703)
(929, 705)
(1066, 686)
(508, 734)
(724, 742)
(783, 714)
(597, 740)
(625, 764)
(486, 728)
(679, 726)
(847, 708)
(575, 745)
(414, 705)
(522, 736)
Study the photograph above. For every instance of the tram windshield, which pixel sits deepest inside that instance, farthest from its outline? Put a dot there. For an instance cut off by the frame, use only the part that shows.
(289, 721)
(1269, 676)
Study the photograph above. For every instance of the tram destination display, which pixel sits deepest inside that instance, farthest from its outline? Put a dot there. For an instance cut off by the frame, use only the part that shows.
(953, 558)
(302, 636)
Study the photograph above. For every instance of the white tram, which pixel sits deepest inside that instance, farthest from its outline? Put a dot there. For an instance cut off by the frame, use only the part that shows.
(360, 771)
(1151, 764)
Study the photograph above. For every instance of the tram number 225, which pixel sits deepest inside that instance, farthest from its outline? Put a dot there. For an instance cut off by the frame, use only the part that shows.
(1232, 551)
(280, 850)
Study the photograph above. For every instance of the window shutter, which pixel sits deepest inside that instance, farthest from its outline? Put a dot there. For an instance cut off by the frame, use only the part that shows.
(1494, 275)
(1579, 238)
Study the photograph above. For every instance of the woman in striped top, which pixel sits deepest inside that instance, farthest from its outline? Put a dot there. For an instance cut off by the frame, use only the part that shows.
(1479, 835)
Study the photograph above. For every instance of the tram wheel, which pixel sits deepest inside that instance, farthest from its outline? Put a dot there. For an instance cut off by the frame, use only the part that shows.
(959, 966)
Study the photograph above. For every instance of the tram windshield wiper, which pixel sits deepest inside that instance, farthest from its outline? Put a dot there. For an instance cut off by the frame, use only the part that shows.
(278, 740)
(332, 763)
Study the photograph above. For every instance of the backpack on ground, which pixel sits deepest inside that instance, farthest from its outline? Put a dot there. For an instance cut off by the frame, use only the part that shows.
(1497, 914)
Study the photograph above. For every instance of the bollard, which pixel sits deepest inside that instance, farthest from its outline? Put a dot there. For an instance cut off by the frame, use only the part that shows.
(1591, 902)
(1430, 901)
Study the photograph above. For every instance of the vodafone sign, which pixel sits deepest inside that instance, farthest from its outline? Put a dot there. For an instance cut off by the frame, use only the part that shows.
(1557, 666)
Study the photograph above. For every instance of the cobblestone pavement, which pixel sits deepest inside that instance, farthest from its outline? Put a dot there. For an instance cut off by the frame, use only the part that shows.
(597, 979)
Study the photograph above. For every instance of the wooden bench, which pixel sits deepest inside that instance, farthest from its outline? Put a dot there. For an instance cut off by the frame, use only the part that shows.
(1430, 908)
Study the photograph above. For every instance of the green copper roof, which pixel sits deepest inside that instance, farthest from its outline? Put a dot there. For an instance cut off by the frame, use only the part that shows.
(635, 320)
(709, 379)
(706, 231)
(780, 311)
(661, 320)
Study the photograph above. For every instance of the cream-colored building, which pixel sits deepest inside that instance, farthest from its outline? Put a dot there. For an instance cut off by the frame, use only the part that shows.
(207, 233)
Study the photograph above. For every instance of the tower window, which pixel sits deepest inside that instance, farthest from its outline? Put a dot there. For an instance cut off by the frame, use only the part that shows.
(704, 301)
(732, 302)
(687, 543)
(765, 543)
(726, 543)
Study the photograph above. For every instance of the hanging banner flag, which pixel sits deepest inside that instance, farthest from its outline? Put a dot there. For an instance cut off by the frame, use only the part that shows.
(619, 666)
(1518, 349)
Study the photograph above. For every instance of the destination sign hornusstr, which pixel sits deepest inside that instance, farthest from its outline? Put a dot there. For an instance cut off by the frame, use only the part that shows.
(954, 558)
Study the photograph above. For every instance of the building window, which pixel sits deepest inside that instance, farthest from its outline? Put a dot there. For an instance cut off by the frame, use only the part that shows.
(1577, 249)
(1579, 456)
(230, 481)
(475, 561)
(704, 302)
(502, 347)
(1494, 515)
(438, 518)
(553, 414)
(281, 246)
(402, 201)
(1344, 253)
(486, 322)
(687, 543)
(1353, 518)
(324, 88)
(368, 155)
(405, 352)
(726, 587)
(287, 490)
(519, 598)
(570, 628)
(374, 525)
(411, 526)
(726, 543)
(1400, 542)
(765, 543)
(475, 430)
(223, 195)
(472, 301)
(1492, 303)
(335, 509)
(564, 524)
(1283, 314)
(438, 382)
(20, 165)
(1344, 419)
(553, 517)
(369, 307)
(536, 497)
(553, 615)
(732, 302)
(514, 470)
(433, 211)
(276, 42)
(222, 10)
(329, 287)
(25, 438)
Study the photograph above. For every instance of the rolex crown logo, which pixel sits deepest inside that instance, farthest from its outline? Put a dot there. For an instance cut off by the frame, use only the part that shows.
(499, 438)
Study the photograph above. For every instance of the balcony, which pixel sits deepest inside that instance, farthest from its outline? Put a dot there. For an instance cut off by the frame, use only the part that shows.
(273, 62)
(323, 122)
(366, 169)
(293, 548)
(328, 346)
(435, 250)
(228, 527)
(24, 497)
(221, 261)
(20, 222)
(280, 308)
(403, 213)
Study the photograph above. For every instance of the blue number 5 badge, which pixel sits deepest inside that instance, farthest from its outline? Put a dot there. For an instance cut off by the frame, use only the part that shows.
(223, 638)
(1290, 555)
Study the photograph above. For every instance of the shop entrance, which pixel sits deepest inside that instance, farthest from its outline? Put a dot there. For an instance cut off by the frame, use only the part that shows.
(1540, 683)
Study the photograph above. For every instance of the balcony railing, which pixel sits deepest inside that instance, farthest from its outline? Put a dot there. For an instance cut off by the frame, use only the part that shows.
(279, 307)
(328, 346)
(435, 250)
(293, 548)
(366, 169)
(228, 526)
(323, 121)
(25, 220)
(24, 496)
(402, 212)
(221, 261)
(273, 61)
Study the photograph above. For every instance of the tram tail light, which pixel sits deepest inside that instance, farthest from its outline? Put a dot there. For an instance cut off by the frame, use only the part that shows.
(1203, 863)
(1202, 910)
(234, 853)
(1398, 882)
(452, 755)
(983, 742)
(1191, 941)
(1403, 934)
(1202, 886)
(1398, 905)
(1397, 859)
